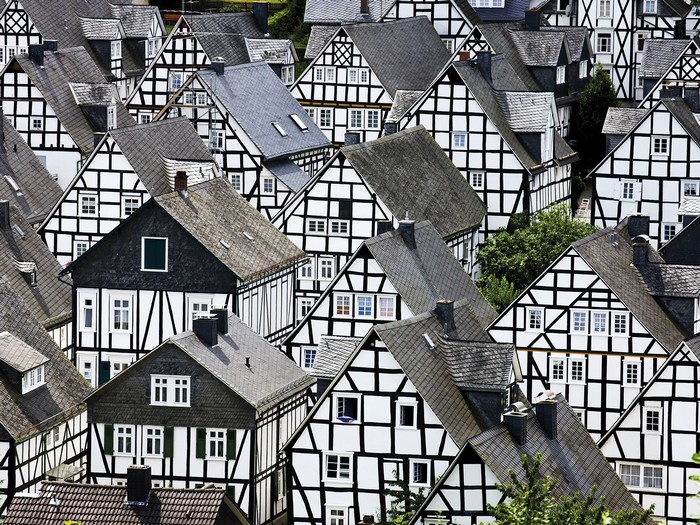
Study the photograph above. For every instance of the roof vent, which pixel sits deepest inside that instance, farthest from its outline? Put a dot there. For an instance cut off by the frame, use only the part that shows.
(428, 341)
(248, 236)
(225, 244)
(300, 123)
(279, 129)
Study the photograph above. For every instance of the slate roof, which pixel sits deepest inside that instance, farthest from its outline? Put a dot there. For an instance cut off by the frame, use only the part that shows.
(332, 354)
(38, 192)
(403, 101)
(221, 220)
(576, 37)
(100, 28)
(539, 48)
(504, 77)
(511, 10)
(477, 365)
(525, 112)
(53, 81)
(239, 89)
(135, 19)
(659, 54)
(318, 38)
(671, 280)
(271, 377)
(270, 50)
(620, 121)
(289, 173)
(143, 145)
(18, 354)
(428, 273)
(106, 505)
(411, 174)
(223, 34)
(613, 266)
(87, 94)
(426, 369)
(50, 300)
(689, 206)
(343, 11)
(679, 7)
(24, 415)
(679, 108)
(417, 55)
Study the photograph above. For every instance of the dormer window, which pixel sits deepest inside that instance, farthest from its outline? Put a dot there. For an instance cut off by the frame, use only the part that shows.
(33, 379)
(116, 49)
(650, 6)
(111, 117)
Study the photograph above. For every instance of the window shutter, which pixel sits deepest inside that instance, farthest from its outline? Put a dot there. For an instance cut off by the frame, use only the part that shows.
(105, 367)
(108, 439)
(201, 443)
(231, 492)
(231, 444)
(345, 209)
(638, 190)
(168, 442)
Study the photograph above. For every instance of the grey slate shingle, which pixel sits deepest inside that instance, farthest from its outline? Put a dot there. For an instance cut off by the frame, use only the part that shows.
(270, 50)
(223, 34)
(620, 121)
(539, 48)
(659, 54)
(476, 365)
(100, 28)
(135, 19)
(18, 354)
(289, 173)
(332, 354)
(343, 11)
(318, 38)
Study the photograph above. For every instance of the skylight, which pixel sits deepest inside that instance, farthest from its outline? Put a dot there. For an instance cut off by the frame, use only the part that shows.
(297, 120)
(279, 129)
(13, 184)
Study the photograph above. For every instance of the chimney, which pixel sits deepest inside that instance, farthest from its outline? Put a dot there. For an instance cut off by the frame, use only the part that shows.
(390, 128)
(546, 411)
(532, 20)
(483, 62)
(364, 7)
(679, 32)
(464, 56)
(640, 253)
(516, 423)
(138, 484)
(445, 312)
(180, 181)
(221, 315)
(36, 54)
(691, 95)
(407, 229)
(217, 65)
(206, 329)
(670, 92)
(97, 138)
(637, 224)
(4, 215)
(351, 138)
(384, 226)
(51, 45)
(260, 15)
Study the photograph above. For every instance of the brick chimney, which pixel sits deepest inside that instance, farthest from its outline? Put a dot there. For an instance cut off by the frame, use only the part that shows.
(640, 250)
(407, 229)
(445, 312)
(180, 183)
(138, 484)
(546, 411)
(206, 328)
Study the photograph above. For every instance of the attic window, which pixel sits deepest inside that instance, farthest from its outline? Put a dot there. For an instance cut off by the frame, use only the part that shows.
(13, 184)
(225, 244)
(297, 120)
(33, 379)
(248, 236)
(279, 129)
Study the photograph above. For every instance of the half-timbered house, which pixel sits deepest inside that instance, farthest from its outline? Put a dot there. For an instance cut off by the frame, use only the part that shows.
(666, 64)
(652, 444)
(599, 322)
(212, 405)
(393, 276)
(128, 166)
(653, 169)
(266, 146)
(137, 502)
(43, 420)
(58, 101)
(351, 85)
(409, 396)
(501, 136)
(176, 257)
(194, 42)
(550, 428)
(379, 181)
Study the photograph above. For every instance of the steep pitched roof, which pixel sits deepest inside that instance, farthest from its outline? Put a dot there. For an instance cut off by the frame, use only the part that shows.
(239, 89)
(38, 192)
(19, 355)
(679, 7)
(135, 19)
(145, 145)
(417, 54)
(270, 50)
(318, 38)
(477, 365)
(231, 229)
(65, 388)
(679, 108)
(620, 121)
(50, 300)
(223, 34)
(333, 352)
(411, 174)
(106, 505)
(576, 36)
(539, 48)
(613, 264)
(53, 81)
(525, 112)
(659, 54)
(343, 11)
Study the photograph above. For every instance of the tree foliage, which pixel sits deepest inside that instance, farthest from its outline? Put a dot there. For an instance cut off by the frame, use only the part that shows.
(404, 502)
(289, 23)
(513, 258)
(532, 502)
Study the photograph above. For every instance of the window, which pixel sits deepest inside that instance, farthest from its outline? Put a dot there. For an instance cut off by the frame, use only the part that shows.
(216, 139)
(459, 140)
(309, 357)
(236, 181)
(631, 373)
(342, 305)
(124, 439)
(144, 119)
(630, 475)
(305, 305)
(659, 145)
(33, 379)
(325, 118)
(535, 319)
(583, 69)
(358, 76)
(372, 119)
(300, 123)
(340, 227)
(604, 43)
(111, 117)
(406, 414)
(121, 314)
(691, 188)
(88, 204)
(154, 254)
(268, 185)
(346, 408)
(316, 226)
(386, 307)
(37, 124)
(216, 443)
(170, 390)
(619, 323)
(198, 308)
(567, 369)
(355, 119)
(600, 322)
(130, 204)
(338, 467)
(580, 322)
(287, 75)
(576, 370)
(364, 305)
(604, 8)
(449, 44)
(329, 74)
(306, 270)
(557, 369)
(87, 368)
(336, 516)
(668, 231)
(653, 477)
(318, 74)
(477, 179)
(561, 74)
(311, 112)
(650, 6)
(118, 364)
(154, 441)
(642, 476)
(326, 268)
(87, 313)
(419, 472)
(116, 49)
(628, 190)
(652, 420)
(153, 45)
(175, 79)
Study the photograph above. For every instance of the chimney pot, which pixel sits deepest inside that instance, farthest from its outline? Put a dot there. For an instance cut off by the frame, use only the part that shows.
(180, 181)
(407, 229)
(138, 484)
(464, 56)
(445, 311)
(206, 329)
(546, 411)
(640, 250)
(221, 315)
(516, 423)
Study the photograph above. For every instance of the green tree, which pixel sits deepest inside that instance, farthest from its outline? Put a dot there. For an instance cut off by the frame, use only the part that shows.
(404, 502)
(532, 502)
(513, 258)
(289, 23)
(696, 477)
(589, 116)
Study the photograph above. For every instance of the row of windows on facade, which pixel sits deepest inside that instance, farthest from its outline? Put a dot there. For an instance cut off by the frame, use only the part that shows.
(583, 322)
(37, 123)
(87, 204)
(571, 369)
(604, 43)
(357, 118)
(338, 467)
(347, 409)
(605, 8)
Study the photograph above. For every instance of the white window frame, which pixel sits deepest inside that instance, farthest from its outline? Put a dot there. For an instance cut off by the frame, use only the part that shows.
(401, 404)
(305, 306)
(175, 80)
(237, 181)
(128, 201)
(571, 362)
(153, 46)
(143, 254)
(604, 8)
(80, 246)
(339, 398)
(306, 270)
(669, 230)
(87, 366)
(380, 308)
(326, 268)
(646, 413)
(660, 145)
(373, 119)
(155, 436)
(173, 386)
(124, 440)
(600, 322)
(353, 116)
(604, 43)
(641, 475)
(336, 303)
(628, 187)
(84, 307)
(111, 117)
(576, 323)
(339, 227)
(336, 515)
(529, 312)
(216, 437)
(287, 75)
(649, 6)
(364, 298)
(128, 310)
(325, 118)
(195, 302)
(412, 464)
(554, 363)
(115, 49)
(316, 226)
(561, 74)
(308, 357)
(690, 188)
(328, 457)
(631, 372)
(119, 363)
(583, 69)
(33, 379)
(459, 140)
(267, 185)
(476, 179)
(36, 124)
(82, 204)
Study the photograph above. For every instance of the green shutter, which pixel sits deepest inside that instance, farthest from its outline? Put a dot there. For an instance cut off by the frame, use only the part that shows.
(108, 439)
(201, 443)
(168, 442)
(231, 444)
(154, 253)
(231, 492)
(105, 369)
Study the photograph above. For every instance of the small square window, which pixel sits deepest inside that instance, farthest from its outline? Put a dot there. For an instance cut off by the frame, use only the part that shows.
(347, 408)
(154, 254)
(37, 124)
(619, 323)
(130, 204)
(338, 467)
(477, 179)
(659, 145)
(316, 226)
(628, 190)
(459, 140)
(325, 118)
(336, 516)
(691, 188)
(236, 181)
(80, 248)
(652, 420)
(420, 472)
(340, 227)
(364, 304)
(268, 185)
(535, 319)
(649, 6)
(604, 43)
(342, 305)
(577, 370)
(88, 204)
(386, 307)
(406, 414)
(668, 231)
(306, 270)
